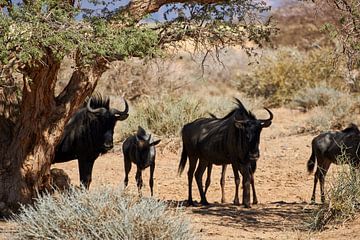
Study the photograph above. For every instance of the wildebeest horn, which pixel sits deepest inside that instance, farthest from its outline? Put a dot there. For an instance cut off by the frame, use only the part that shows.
(121, 115)
(94, 110)
(267, 122)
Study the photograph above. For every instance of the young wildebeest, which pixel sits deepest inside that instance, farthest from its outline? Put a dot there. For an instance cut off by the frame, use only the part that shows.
(326, 147)
(88, 134)
(140, 149)
(233, 140)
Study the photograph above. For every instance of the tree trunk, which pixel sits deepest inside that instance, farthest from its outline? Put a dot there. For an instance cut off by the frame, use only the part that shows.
(25, 164)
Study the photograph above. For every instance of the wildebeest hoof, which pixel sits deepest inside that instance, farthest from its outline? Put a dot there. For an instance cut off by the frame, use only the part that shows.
(237, 203)
(247, 205)
(223, 201)
(204, 203)
(255, 202)
(190, 203)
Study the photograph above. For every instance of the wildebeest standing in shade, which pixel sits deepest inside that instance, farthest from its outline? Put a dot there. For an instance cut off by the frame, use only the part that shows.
(233, 140)
(88, 134)
(326, 148)
(140, 149)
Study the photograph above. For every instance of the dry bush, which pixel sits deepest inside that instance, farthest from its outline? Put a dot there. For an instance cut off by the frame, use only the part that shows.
(336, 114)
(343, 197)
(308, 98)
(283, 73)
(165, 115)
(102, 214)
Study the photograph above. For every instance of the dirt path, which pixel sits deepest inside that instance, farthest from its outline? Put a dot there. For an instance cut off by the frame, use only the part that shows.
(283, 188)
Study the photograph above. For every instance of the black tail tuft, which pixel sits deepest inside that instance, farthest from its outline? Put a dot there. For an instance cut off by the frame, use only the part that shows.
(182, 161)
(311, 161)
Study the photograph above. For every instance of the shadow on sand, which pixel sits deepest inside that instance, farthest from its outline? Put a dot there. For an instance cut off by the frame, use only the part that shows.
(278, 215)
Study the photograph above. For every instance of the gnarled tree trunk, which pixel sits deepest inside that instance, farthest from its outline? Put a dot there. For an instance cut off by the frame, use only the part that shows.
(26, 156)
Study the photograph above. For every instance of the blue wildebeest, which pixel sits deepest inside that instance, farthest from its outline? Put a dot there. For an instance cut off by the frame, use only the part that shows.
(88, 134)
(233, 139)
(140, 149)
(327, 147)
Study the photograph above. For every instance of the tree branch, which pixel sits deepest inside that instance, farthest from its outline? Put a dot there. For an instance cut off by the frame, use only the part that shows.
(137, 9)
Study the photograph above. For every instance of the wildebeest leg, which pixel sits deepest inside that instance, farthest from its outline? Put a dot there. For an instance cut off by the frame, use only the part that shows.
(151, 180)
(198, 176)
(208, 178)
(323, 170)
(245, 172)
(85, 171)
(316, 177)
(127, 167)
(255, 201)
(192, 166)
(222, 184)
(237, 183)
(138, 178)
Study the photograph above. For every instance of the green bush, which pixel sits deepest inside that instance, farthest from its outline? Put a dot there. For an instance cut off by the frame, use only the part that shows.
(283, 73)
(101, 214)
(343, 197)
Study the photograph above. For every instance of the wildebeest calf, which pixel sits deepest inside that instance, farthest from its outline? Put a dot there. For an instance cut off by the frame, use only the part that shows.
(140, 149)
(326, 148)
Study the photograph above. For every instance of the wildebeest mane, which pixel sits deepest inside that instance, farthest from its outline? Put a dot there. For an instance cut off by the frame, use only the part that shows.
(223, 135)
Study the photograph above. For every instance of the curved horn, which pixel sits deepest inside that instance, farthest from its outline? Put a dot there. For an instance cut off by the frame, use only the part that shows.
(94, 110)
(267, 122)
(121, 115)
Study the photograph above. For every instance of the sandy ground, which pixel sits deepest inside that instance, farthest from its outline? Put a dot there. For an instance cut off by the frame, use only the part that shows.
(282, 183)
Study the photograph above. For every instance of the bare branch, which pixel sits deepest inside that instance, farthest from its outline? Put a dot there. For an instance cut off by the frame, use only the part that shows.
(137, 9)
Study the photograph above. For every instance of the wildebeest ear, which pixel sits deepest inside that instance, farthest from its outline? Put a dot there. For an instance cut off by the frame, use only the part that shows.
(107, 103)
(141, 131)
(155, 142)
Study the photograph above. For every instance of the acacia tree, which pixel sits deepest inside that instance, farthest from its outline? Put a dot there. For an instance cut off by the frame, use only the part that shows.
(36, 35)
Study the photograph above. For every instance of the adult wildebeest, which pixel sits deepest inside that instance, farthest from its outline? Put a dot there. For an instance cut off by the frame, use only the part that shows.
(326, 148)
(233, 140)
(140, 149)
(88, 134)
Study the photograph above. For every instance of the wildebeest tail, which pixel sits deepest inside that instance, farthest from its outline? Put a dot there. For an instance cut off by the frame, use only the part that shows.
(312, 160)
(182, 160)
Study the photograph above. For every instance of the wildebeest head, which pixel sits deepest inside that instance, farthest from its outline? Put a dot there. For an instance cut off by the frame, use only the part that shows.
(250, 128)
(145, 148)
(90, 130)
(104, 120)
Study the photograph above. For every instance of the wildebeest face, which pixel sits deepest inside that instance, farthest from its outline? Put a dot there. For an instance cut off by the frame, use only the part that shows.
(145, 151)
(107, 118)
(252, 130)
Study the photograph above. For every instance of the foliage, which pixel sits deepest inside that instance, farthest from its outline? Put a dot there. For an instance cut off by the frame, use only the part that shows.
(336, 114)
(165, 115)
(28, 34)
(343, 194)
(102, 214)
(347, 29)
(283, 73)
(309, 98)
